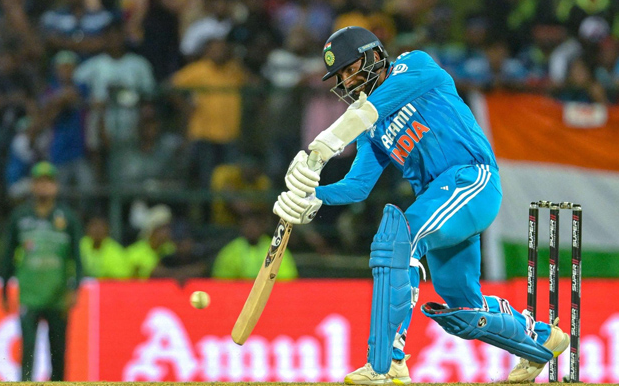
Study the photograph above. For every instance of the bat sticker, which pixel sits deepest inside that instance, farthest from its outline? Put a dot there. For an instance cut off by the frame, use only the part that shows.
(275, 243)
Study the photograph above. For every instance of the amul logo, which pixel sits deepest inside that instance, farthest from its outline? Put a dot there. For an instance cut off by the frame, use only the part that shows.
(168, 353)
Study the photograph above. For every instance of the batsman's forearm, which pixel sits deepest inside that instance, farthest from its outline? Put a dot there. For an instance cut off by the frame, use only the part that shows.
(360, 179)
(358, 118)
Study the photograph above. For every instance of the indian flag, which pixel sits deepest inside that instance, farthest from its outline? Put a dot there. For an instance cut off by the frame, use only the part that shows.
(548, 150)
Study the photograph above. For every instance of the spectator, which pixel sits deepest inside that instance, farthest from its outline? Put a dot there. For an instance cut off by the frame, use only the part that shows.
(102, 256)
(516, 20)
(315, 17)
(215, 83)
(155, 243)
(580, 86)
(149, 160)
(354, 13)
(244, 177)
(154, 29)
(243, 256)
(65, 111)
(42, 250)
(415, 16)
(186, 262)
(18, 87)
(437, 40)
(475, 34)
(607, 68)
(592, 31)
(117, 80)
(573, 12)
(255, 34)
(215, 25)
(494, 70)
(26, 148)
(287, 69)
(76, 27)
(18, 26)
(366, 14)
(547, 35)
(288, 66)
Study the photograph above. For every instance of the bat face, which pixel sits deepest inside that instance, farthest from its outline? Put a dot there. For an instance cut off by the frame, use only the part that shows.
(260, 292)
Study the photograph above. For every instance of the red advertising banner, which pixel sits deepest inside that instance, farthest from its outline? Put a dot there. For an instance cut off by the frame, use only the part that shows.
(311, 330)
(305, 333)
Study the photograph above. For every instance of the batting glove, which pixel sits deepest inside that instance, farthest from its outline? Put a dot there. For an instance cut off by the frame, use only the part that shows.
(300, 178)
(295, 209)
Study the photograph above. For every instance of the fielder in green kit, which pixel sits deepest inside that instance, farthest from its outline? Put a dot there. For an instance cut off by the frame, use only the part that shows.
(42, 251)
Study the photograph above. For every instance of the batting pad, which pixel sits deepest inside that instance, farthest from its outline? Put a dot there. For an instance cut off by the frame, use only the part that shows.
(391, 297)
(498, 329)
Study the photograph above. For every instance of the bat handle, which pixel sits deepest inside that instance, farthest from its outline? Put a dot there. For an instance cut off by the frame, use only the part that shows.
(315, 162)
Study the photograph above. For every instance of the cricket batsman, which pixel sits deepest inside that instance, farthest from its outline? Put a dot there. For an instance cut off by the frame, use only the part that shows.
(408, 113)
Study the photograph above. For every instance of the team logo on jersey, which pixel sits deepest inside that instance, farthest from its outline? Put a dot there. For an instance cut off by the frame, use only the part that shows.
(403, 133)
(60, 222)
(372, 131)
(400, 68)
(329, 58)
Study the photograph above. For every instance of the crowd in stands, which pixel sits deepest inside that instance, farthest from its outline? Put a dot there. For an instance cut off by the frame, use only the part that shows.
(215, 97)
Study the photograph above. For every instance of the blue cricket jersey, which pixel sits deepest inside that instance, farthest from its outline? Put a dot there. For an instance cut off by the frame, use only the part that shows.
(423, 128)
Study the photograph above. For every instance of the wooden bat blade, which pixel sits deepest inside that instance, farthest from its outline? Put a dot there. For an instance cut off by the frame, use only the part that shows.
(261, 290)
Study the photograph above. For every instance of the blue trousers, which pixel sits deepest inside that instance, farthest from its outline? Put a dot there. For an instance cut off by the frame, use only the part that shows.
(446, 221)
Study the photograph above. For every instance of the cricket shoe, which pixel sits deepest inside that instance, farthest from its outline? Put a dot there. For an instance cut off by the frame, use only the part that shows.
(526, 370)
(397, 375)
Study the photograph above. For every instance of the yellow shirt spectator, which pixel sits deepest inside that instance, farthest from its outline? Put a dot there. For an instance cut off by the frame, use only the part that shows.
(241, 260)
(381, 24)
(240, 178)
(106, 262)
(217, 98)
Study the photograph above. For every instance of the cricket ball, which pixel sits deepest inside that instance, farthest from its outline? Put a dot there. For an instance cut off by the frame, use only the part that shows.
(200, 299)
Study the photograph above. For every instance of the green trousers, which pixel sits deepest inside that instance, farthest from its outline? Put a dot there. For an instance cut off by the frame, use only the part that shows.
(57, 322)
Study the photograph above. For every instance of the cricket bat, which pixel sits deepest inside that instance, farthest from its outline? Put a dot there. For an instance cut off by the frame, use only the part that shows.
(263, 285)
(260, 292)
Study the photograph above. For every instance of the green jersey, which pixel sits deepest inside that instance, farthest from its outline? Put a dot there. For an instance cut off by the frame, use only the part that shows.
(43, 253)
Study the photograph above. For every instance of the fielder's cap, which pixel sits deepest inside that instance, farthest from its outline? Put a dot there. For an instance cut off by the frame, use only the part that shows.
(346, 46)
(43, 169)
(65, 57)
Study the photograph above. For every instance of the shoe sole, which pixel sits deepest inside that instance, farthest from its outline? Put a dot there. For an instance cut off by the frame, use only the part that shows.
(565, 343)
(392, 381)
